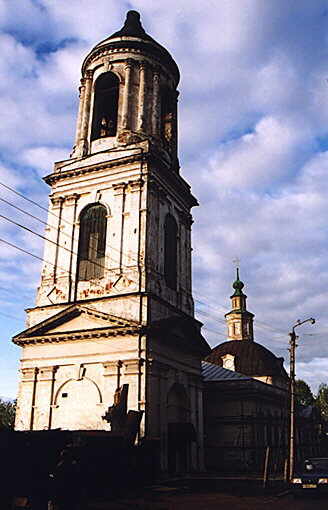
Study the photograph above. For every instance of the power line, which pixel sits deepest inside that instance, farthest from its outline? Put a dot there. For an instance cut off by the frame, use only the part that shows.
(29, 253)
(136, 259)
(259, 324)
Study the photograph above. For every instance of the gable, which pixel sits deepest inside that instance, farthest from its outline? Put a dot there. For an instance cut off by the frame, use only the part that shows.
(75, 319)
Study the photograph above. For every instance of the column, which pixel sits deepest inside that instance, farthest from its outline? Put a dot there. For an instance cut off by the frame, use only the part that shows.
(126, 94)
(44, 398)
(86, 107)
(26, 399)
(142, 93)
(80, 113)
(156, 104)
(112, 373)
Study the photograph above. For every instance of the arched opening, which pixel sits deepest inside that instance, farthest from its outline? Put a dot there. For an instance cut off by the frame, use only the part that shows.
(105, 108)
(167, 117)
(92, 242)
(170, 251)
(181, 432)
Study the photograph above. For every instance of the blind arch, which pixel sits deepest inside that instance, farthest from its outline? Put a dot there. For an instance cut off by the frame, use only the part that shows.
(170, 251)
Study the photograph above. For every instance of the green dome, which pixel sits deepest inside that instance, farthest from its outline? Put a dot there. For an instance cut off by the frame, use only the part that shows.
(238, 285)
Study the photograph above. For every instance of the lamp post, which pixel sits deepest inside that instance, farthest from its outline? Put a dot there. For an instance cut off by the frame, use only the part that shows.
(293, 345)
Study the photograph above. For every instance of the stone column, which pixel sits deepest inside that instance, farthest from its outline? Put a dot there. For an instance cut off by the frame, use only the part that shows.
(86, 111)
(26, 399)
(44, 398)
(132, 373)
(156, 106)
(126, 95)
(142, 93)
(80, 113)
(112, 373)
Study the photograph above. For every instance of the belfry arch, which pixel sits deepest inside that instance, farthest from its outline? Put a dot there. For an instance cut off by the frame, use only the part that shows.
(105, 106)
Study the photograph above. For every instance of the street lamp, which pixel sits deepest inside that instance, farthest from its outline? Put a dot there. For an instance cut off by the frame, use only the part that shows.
(292, 349)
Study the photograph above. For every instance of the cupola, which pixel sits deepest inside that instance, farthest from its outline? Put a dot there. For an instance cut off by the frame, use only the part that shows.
(128, 94)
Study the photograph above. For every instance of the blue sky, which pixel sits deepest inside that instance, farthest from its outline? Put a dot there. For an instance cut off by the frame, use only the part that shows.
(253, 124)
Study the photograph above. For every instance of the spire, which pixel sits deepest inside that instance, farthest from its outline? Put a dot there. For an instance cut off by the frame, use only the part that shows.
(238, 285)
(132, 27)
(239, 320)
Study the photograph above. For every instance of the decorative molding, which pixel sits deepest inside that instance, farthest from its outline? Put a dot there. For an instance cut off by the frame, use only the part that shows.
(72, 199)
(47, 373)
(56, 201)
(132, 366)
(66, 337)
(112, 368)
(134, 186)
(119, 188)
(29, 374)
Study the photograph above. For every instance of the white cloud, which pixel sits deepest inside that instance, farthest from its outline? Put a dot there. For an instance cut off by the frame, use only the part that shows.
(253, 128)
(43, 158)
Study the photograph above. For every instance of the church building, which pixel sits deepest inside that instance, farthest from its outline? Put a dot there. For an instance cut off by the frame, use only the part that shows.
(114, 307)
(113, 330)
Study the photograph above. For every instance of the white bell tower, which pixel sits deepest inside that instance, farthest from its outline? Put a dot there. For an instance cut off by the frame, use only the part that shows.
(114, 305)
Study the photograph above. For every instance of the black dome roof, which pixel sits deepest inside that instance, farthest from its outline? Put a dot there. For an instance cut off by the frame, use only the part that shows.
(251, 358)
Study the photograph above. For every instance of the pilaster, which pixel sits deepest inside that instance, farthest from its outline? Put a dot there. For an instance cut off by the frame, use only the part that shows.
(156, 106)
(26, 399)
(126, 95)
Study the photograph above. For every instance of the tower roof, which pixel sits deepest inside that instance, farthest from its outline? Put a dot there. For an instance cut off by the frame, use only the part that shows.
(133, 35)
(238, 285)
(251, 358)
(132, 27)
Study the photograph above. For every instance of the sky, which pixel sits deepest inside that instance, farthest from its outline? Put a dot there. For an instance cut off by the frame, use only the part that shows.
(253, 143)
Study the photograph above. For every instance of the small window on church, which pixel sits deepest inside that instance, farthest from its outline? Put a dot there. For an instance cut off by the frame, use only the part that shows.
(105, 107)
(92, 242)
(170, 251)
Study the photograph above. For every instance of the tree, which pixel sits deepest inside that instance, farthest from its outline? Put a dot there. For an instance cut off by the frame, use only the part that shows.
(7, 413)
(303, 393)
(322, 400)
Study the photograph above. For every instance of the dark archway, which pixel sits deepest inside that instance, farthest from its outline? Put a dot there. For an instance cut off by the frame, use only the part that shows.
(105, 107)
(180, 430)
(92, 242)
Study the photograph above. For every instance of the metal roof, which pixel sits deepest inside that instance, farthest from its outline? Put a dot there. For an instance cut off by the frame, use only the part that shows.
(211, 372)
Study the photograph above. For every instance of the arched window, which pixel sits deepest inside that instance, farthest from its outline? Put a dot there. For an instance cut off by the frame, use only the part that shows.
(170, 251)
(92, 242)
(105, 106)
(167, 114)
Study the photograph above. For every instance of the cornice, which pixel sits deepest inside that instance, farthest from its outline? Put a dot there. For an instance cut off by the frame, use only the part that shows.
(79, 335)
(96, 167)
(157, 53)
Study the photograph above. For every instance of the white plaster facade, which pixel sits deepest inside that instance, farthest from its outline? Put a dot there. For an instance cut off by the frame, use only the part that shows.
(86, 338)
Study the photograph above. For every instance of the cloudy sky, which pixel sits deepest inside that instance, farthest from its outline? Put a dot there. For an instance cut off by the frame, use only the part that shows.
(253, 143)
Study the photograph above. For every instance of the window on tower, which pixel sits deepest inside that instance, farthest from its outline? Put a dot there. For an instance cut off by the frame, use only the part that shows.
(92, 242)
(167, 116)
(170, 251)
(105, 108)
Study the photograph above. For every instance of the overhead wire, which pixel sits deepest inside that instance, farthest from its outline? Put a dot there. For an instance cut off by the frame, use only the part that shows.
(259, 324)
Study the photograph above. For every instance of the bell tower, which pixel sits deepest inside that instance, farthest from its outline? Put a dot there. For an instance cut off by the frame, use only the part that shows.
(114, 306)
(239, 320)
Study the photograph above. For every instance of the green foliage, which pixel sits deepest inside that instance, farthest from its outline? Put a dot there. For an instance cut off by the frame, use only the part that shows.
(322, 400)
(7, 414)
(303, 393)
